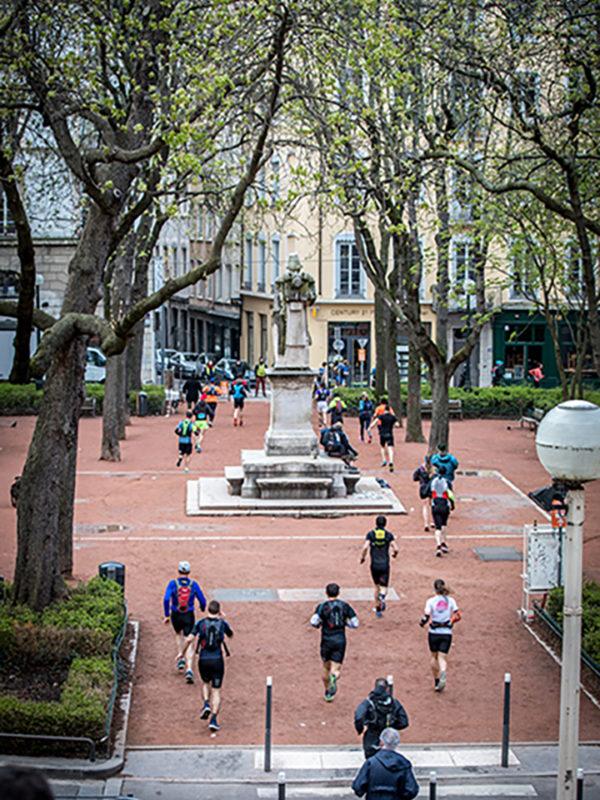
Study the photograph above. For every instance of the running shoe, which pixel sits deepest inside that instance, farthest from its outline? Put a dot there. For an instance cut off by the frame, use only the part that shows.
(332, 685)
(235, 422)
(241, 422)
(391, 467)
(328, 697)
(186, 469)
(383, 463)
(178, 464)
(181, 663)
(362, 438)
(370, 438)
(213, 724)
(439, 553)
(189, 676)
(426, 527)
(444, 547)
(436, 684)
(378, 612)
(442, 682)
(205, 713)
(381, 599)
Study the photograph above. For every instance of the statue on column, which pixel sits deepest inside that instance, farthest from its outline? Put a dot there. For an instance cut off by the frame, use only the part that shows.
(294, 292)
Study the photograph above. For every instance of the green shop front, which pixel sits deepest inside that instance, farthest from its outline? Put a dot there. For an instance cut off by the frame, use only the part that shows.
(522, 340)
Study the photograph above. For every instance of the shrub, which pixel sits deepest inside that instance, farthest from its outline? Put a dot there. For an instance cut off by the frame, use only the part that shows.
(590, 619)
(20, 399)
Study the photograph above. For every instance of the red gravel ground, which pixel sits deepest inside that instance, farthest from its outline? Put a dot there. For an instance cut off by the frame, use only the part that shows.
(134, 512)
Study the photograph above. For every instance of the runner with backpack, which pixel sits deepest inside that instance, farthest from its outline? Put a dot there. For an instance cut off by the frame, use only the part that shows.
(178, 604)
(332, 617)
(442, 502)
(441, 612)
(211, 632)
(239, 392)
(185, 430)
(379, 542)
(376, 713)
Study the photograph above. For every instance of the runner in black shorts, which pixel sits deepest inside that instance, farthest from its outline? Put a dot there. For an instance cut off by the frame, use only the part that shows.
(441, 612)
(211, 632)
(332, 617)
(178, 606)
(386, 423)
(379, 541)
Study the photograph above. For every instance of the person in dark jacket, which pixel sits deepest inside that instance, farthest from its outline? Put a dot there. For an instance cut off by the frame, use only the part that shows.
(387, 775)
(376, 713)
(337, 445)
(445, 459)
(191, 391)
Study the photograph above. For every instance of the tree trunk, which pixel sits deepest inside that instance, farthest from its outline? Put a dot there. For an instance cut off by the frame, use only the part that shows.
(440, 427)
(135, 348)
(394, 390)
(381, 343)
(113, 426)
(47, 491)
(414, 426)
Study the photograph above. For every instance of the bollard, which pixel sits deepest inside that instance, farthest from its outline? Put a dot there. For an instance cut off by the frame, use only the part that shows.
(281, 786)
(506, 721)
(268, 725)
(432, 786)
(390, 680)
(579, 784)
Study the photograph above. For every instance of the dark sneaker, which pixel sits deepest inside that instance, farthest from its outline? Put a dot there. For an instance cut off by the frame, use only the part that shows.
(332, 685)
(189, 676)
(391, 467)
(381, 599)
(439, 552)
(442, 681)
(181, 663)
(178, 464)
(383, 463)
(205, 713)
(444, 547)
(328, 697)
(213, 724)
(436, 684)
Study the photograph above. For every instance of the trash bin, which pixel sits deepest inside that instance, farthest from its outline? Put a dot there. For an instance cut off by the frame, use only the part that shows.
(114, 571)
(142, 404)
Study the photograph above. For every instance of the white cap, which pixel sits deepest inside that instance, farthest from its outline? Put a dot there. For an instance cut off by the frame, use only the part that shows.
(184, 566)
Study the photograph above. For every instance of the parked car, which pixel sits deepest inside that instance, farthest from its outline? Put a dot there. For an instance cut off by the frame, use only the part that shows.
(95, 366)
(183, 364)
(224, 371)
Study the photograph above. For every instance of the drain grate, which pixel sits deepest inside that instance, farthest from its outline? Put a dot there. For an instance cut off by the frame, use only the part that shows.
(498, 553)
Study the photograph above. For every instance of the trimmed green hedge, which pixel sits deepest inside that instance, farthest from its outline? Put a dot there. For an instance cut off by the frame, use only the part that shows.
(590, 618)
(80, 632)
(18, 399)
(505, 402)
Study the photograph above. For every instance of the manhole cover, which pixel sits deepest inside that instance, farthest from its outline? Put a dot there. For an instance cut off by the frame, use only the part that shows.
(498, 553)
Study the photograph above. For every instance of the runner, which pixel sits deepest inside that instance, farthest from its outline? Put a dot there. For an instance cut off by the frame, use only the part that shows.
(445, 459)
(333, 616)
(424, 474)
(442, 501)
(441, 611)
(379, 541)
(239, 392)
(336, 410)
(211, 632)
(322, 394)
(202, 415)
(178, 605)
(260, 373)
(185, 430)
(211, 394)
(376, 712)
(365, 414)
(386, 422)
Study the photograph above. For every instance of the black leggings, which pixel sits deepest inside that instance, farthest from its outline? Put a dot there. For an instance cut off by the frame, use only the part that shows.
(364, 424)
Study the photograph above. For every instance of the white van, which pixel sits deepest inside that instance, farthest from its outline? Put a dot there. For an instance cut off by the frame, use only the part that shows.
(95, 367)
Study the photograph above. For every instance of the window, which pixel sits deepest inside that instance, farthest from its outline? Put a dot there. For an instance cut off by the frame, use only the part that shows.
(462, 195)
(573, 272)
(520, 285)
(7, 225)
(349, 271)
(262, 265)
(464, 269)
(250, 328)
(275, 259)
(248, 267)
(184, 260)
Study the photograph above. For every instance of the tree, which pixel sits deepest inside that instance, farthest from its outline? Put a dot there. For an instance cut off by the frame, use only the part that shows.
(536, 70)
(121, 88)
(374, 117)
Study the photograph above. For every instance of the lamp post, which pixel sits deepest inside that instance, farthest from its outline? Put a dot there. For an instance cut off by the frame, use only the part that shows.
(568, 447)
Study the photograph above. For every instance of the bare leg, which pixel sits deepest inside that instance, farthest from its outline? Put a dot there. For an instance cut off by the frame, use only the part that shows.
(205, 692)
(390, 454)
(215, 700)
(326, 673)
(435, 666)
(382, 447)
(425, 507)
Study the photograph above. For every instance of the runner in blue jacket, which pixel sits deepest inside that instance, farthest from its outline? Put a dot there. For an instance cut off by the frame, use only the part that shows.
(178, 605)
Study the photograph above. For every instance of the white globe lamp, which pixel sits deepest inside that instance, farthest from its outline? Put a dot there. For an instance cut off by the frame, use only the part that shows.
(568, 447)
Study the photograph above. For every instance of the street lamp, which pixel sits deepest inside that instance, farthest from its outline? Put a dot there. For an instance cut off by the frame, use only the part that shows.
(568, 447)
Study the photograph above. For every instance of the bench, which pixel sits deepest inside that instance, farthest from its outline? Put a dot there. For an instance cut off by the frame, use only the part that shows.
(88, 406)
(532, 420)
(454, 406)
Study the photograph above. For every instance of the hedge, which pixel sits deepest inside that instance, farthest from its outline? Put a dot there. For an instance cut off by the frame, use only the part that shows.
(506, 402)
(16, 399)
(590, 619)
(80, 632)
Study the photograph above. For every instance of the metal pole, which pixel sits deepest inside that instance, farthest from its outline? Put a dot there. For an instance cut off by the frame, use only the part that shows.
(569, 686)
(390, 680)
(506, 722)
(281, 786)
(268, 725)
(432, 786)
(580, 784)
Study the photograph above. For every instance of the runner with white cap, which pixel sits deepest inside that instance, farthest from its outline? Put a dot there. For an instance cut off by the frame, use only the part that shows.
(178, 605)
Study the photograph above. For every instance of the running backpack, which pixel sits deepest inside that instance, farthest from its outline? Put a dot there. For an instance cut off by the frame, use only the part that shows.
(184, 593)
(334, 615)
(211, 634)
(384, 713)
